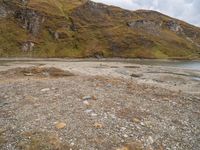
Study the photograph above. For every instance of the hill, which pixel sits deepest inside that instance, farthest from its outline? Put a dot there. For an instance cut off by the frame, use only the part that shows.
(82, 28)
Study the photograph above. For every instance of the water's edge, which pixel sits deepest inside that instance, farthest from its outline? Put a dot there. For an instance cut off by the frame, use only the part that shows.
(185, 64)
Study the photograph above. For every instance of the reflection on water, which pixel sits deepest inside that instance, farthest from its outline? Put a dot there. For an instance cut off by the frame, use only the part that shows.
(169, 63)
(182, 64)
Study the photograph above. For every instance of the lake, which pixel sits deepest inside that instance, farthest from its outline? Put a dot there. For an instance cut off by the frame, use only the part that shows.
(181, 64)
(169, 63)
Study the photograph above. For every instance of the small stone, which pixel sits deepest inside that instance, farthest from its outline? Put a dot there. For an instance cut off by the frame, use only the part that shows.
(136, 120)
(87, 98)
(93, 114)
(98, 125)
(45, 90)
(88, 110)
(3, 104)
(150, 140)
(113, 116)
(94, 98)
(132, 146)
(136, 75)
(142, 123)
(123, 148)
(148, 124)
(108, 85)
(165, 99)
(72, 144)
(86, 103)
(60, 125)
(131, 135)
(125, 135)
(28, 74)
(123, 128)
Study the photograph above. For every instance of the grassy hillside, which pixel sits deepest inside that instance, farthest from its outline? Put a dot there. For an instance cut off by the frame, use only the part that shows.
(81, 28)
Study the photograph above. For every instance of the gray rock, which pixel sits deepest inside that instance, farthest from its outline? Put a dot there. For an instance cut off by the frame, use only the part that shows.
(125, 136)
(174, 26)
(3, 104)
(24, 2)
(122, 129)
(150, 140)
(88, 111)
(45, 90)
(86, 103)
(93, 114)
(27, 46)
(136, 75)
(148, 25)
(56, 35)
(87, 98)
(31, 20)
(3, 12)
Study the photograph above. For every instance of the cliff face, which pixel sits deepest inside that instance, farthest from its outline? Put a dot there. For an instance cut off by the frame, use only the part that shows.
(49, 28)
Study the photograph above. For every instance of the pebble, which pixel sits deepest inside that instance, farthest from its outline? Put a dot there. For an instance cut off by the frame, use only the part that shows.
(142, 123)
(3, 104)
(88, 110)
(136, 120)
(60, 125)
(72, 144)
(93, 114)
(45, 89)
(109, 85)
(86, 103)
(113, 116)
(28, 74)
(125, 135)
(98, 125)
(87, 98)
(150, 140)
(123, 128)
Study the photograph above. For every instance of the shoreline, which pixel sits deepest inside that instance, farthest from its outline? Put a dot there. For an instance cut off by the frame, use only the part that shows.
(119, 68)
(180, 64)
(91, 59)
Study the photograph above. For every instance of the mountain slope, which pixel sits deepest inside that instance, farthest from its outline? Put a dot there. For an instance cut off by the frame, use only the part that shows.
(62, 28)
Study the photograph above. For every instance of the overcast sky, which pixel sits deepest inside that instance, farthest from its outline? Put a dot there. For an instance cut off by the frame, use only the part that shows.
(187, 10)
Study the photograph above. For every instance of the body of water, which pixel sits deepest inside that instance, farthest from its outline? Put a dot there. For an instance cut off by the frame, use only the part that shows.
(195, 65)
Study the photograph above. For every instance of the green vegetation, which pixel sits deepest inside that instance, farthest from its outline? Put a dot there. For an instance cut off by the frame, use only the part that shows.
(80, 28)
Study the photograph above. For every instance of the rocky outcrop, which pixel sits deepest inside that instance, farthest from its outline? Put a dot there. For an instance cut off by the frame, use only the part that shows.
(24, 2)
(174, 26)
(147, 25)
(31, 20)
(155, 27)
(60, 35)
(3, 12)
(27, 46)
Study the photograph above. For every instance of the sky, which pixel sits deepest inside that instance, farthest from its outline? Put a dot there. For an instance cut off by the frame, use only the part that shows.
(187, 10)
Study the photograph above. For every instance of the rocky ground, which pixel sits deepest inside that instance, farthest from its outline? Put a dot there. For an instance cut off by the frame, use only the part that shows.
(57, 105)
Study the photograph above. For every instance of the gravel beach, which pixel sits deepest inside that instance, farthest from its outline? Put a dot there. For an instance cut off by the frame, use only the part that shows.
(80, 105)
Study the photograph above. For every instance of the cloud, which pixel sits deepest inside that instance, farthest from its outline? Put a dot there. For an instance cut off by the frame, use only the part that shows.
(187, 10)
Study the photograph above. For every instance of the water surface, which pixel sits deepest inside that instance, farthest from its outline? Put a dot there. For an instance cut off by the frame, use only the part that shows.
(195, 65)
